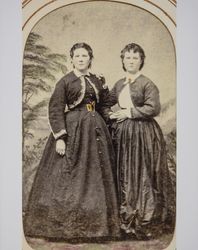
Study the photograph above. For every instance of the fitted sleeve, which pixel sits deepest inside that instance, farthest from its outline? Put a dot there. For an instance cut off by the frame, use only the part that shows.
(107, 100)
(56, 110)
(111, 98)
(104, 101)
(151, 106)
(102, 108)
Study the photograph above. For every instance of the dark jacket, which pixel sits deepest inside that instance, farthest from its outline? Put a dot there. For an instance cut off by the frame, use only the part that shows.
(69, 92)
(144, 95)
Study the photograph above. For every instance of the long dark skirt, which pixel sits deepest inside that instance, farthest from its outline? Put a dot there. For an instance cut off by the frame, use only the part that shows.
(74, 196)
(142, 174)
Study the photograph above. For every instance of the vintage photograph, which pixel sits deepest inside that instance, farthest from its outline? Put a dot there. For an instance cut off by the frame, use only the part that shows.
(99, 128)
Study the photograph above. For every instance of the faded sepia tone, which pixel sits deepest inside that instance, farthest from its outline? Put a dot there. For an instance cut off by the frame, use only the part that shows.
(107, 27)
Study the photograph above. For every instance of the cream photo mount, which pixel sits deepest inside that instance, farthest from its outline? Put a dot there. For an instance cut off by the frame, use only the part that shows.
(34, 10)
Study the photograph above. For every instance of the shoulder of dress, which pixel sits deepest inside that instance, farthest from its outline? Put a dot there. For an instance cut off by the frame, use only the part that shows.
(119, 83)
(70, 77)
(144, 80)
(62, 82)
(98, 79)
(147, 83)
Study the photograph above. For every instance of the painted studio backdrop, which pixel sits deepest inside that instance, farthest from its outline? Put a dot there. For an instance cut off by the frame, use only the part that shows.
(50, 29)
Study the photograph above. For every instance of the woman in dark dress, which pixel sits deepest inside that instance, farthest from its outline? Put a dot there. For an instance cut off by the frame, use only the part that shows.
(73, 194)
(142, 170)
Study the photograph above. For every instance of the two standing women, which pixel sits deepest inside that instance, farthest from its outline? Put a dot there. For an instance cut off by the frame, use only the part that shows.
(74, 191)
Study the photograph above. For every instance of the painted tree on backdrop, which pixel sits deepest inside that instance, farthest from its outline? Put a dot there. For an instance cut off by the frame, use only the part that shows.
(40, 66)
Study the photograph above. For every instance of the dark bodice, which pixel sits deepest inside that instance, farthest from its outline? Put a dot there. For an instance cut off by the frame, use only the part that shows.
(144, 95)
(90, 94)
(71, 92)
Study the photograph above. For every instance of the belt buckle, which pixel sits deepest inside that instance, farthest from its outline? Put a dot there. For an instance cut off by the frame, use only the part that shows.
(89, 107)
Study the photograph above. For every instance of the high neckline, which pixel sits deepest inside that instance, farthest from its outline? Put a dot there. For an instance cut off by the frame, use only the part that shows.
(131, 78)
(80, 74)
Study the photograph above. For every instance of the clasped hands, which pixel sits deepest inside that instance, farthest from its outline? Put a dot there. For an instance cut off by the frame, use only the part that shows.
(119, 115)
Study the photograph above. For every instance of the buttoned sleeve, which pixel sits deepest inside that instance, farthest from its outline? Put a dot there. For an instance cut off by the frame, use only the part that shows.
(151, 106)
(56, 110)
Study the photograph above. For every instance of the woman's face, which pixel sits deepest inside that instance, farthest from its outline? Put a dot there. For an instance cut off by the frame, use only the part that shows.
(132, 61)
(81, 59)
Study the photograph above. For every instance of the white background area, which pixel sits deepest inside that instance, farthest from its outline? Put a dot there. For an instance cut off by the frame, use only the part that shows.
(11, 126)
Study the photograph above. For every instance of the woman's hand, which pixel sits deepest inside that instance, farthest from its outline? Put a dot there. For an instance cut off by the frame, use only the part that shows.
(60, 147)
(120, 115)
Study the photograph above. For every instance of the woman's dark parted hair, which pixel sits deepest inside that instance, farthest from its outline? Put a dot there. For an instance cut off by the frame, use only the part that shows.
(84, 46)
(136, 48)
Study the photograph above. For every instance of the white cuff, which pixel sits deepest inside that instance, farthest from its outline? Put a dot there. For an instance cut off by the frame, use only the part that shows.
(59, 134)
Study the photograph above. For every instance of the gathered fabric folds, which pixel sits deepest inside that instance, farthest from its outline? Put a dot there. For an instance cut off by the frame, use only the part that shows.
(87, 193)
(142, 174)
(74, 196)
